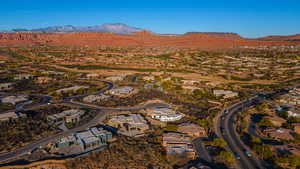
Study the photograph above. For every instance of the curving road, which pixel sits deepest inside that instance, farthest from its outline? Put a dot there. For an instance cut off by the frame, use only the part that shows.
(226, 129)
(102, 112)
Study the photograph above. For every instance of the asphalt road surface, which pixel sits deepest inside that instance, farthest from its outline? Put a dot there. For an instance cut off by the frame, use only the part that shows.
(201, 150)
(102, 112)
(226, 130)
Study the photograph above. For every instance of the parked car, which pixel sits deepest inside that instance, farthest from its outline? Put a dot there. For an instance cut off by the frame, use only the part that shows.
(222, 117)
(248, 153)
(237, 156)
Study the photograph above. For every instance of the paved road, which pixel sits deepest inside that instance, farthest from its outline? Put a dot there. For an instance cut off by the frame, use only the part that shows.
(30, 147)
(201, 150)
(226, 129)
(102, 112)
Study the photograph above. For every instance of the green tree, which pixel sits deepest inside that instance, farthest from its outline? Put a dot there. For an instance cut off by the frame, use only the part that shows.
(171, 128)
(263, 151)
(265, 123)
(226, 157)
(203, 122)
(292, 161)
(218, 142)
(255, 140)
(283, 114)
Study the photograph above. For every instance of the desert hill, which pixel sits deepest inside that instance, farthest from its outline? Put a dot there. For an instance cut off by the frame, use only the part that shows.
(142, 39)
(282, 38)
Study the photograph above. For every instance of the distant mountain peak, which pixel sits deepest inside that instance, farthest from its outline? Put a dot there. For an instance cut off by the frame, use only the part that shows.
(118, 28)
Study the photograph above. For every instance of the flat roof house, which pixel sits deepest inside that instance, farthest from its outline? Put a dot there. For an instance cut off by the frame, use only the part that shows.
(279, 133)
(296, 127)
(276, 121)
(164, 114)
(14, 99)
(115, 78)
(96, 98)
(177, 143)
(130, 125)
(9, 115)
(74, 88)
(88, 139)
(192, 130)
(84, 140)
(121, 91)
(69, 116)
(23, 76)
(43, 80)
(66, 141)
(6, 86)
(92, 75)
(225, 94)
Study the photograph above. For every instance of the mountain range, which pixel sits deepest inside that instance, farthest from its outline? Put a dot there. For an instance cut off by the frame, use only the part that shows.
(123, 29)
(117, 28)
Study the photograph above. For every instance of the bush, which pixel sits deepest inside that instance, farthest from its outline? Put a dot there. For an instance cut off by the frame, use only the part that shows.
(263, 151)
(292, 161)
(283, 114)
(171, 128)
(218, 142)
(226, 157)
(265, 123)
(203, 122)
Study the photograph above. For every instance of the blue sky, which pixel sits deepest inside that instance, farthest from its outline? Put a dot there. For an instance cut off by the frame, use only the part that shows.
(250, 18)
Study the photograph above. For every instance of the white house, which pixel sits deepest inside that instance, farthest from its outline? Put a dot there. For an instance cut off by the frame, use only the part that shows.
(165, 114)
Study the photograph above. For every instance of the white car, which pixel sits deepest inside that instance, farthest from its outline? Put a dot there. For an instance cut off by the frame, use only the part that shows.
(248, 153)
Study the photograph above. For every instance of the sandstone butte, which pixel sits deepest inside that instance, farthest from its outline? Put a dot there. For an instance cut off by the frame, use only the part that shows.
(142, 39)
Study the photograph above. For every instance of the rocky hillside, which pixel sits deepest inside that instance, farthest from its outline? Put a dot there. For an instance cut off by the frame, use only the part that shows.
(281, 38)
(141, 39)
(228, 35)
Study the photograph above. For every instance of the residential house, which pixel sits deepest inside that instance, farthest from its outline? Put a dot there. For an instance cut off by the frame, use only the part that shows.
(66, 142)
(95, 98)
(104, 135)
(92, 75)
(296, 127)
(225, 94)
(178, 144)
(148, 78)
(82, 141)
(6, 86)
(278, 133)
(190, 82)
(23, 76)
(190, 88)
(71, 89)
(164, 114)
(292, 98)
(275, 120)
(130, 125)
(14, 99)
(115, 78)
(192, 130)
(88, 139)
(10, 115)
(294, 113)
(68, 116)
(121, 91)
(43, 80)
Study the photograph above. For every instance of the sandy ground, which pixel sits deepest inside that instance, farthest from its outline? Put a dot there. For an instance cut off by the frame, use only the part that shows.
(189, 76)
(47, 164)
